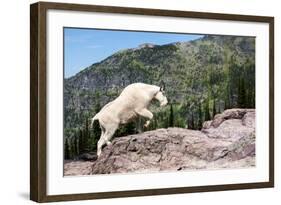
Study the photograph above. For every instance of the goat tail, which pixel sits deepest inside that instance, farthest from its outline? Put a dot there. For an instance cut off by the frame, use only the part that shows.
(93, 120)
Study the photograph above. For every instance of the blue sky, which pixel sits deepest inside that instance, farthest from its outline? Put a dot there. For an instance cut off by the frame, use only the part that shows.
(83, 47)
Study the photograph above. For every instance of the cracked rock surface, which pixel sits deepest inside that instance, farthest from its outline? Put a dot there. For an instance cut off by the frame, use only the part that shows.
(228, 141)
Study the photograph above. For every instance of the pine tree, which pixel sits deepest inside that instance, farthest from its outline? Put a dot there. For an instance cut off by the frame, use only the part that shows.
(227, 96)
(75, 146)
(214, 108)
(199, 126)
(192, 126)
(96, 134)
(171, 118)
(86, 135)
(241, 93)
(226, 103)
(80, 142)
(155, 122)
(66, 150)
(206, 111)
(96, 130)
(129, 128)
(253, 99)
(71, 147)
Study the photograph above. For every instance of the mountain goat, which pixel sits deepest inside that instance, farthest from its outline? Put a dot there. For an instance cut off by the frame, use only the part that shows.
(132, 102)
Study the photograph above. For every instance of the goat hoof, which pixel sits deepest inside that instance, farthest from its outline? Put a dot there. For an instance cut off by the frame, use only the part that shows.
(146, 124)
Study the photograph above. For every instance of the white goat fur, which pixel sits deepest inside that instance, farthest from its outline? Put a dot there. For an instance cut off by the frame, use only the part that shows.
(132, 102)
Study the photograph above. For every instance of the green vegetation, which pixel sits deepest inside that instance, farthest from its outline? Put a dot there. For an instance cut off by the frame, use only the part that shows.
(202, 78)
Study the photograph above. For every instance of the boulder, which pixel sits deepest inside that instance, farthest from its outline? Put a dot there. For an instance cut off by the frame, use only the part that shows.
(228, 141)
(88, 156)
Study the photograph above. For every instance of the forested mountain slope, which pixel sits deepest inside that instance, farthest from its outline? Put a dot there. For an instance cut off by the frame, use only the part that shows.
(202, 77)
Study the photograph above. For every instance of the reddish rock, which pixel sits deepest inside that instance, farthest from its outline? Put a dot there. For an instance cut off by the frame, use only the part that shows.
(228, 141)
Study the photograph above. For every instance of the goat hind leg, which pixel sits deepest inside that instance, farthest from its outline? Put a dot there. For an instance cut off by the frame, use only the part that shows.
(101, 142)
(109, 133)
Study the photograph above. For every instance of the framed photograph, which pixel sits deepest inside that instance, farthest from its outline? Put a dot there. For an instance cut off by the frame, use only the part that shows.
(134, 102)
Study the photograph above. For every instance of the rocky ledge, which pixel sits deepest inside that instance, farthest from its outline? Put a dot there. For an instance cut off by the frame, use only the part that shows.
(228, 141)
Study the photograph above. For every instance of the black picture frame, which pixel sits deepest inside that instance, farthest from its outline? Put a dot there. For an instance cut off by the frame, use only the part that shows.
(38, 103)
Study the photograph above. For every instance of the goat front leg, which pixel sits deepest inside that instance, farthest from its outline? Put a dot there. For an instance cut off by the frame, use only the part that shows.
(146, 114)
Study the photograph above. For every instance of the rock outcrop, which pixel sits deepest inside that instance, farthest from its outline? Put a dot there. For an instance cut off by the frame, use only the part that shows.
(228, 141)
(77, 167)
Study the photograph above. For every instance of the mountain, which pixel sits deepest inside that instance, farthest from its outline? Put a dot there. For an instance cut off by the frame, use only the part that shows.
(202, 77)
